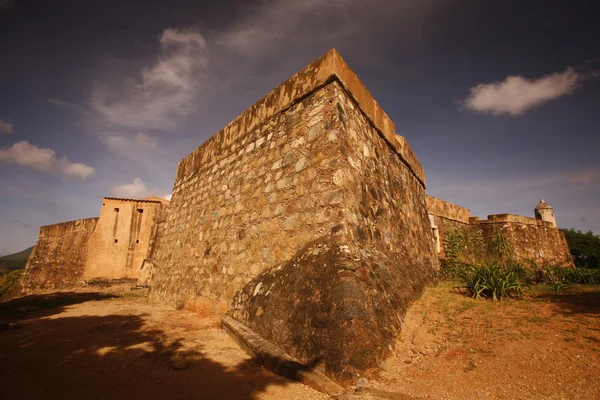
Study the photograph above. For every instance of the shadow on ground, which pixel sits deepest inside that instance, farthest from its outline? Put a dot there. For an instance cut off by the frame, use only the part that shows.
(110, 357)
(43, 305)
(581, 301)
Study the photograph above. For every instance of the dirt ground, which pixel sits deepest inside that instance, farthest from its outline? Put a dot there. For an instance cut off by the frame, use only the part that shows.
(545, 346)
(114, 344)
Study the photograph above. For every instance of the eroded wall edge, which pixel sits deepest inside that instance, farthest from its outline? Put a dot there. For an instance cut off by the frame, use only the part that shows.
(59, 256)
(444, 209)
(329, 67)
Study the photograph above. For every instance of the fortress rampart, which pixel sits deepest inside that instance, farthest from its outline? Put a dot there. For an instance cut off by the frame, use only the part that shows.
(305, 217)
(269, 182)
(121, 240)
(311, 196)
(444, 216)
(444, 209)
(112, 246)
(500, 218)
(532, 239)
(59, 256)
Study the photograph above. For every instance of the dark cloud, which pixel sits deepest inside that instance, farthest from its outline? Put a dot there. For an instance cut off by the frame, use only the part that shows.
(19, 223)
(132, 99)
(6, 5)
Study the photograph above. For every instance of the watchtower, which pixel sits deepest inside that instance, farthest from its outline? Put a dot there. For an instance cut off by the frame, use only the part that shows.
(545, 212)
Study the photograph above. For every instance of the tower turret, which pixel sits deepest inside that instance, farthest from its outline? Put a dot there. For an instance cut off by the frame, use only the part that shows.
(545, 212)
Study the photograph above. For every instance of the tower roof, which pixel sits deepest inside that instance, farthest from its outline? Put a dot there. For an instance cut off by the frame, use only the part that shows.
(543, 205)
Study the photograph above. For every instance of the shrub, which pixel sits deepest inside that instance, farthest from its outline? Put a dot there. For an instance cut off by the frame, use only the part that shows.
(499, 247)
(8, 279)
(524, 273)
(450, 270)
(456, 270)
(493, 282)
(555, 280)
(586, 276)
(585, 248)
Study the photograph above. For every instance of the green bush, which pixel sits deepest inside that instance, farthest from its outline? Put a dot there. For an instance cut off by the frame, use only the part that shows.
(464, 245)
(586, 276)
(455, 270)
(524, 273)
(500, 248)
(493, 282)
(9, 279)
(585, 248)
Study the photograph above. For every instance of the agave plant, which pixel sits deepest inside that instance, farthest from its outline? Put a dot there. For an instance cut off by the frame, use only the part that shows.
(493, 282)
(500, 247)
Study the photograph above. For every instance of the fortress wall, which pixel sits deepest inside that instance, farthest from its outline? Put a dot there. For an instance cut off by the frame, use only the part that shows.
(257, 191)
(309, 213)
(59, 257)
(532, 239)
(540, 243)
(122, 237)
(447, 210)
(147, 269)
(445, 216)
(498, 218)
(385, 200)
(252, 205)
(319, 73)
(443, 225)
(349, 288)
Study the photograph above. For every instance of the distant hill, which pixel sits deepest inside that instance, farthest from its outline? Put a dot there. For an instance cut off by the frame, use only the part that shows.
(16, 260)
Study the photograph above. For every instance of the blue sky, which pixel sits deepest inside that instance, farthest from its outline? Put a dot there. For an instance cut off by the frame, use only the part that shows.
(499, 100)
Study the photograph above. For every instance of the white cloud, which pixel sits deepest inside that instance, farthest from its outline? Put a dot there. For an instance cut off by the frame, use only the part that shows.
(58, 102)
(146, 141)
(136, 190)
(65, 105)
(517, 94)
(585, 177)
(6, 127)
(162, 92)
(135, 148)
(43, 159)
(258, 44)
(282, 22)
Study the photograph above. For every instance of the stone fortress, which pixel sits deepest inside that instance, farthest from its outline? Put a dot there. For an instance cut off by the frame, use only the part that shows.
(112, 246)
(306, 217)
(536, 240)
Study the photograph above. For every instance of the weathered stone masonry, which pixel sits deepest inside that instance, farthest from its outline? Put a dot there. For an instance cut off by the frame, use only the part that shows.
(59, 256)
(443, 216)
(533, 239)
(121, 241)
(112, 246)
(310, 191)
(306, 216)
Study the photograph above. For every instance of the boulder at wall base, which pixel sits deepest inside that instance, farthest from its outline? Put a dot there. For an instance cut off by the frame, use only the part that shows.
(335, 306)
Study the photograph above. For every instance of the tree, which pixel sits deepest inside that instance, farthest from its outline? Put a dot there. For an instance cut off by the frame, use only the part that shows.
(585, 248)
